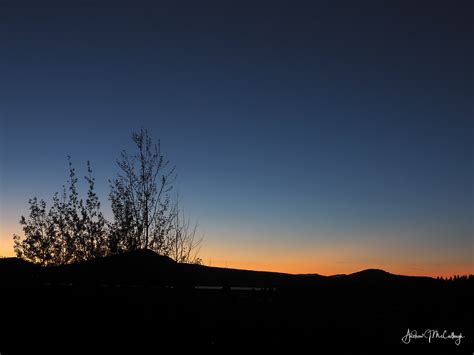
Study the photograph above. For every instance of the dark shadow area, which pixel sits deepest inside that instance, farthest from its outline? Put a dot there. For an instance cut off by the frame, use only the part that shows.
(146, 301)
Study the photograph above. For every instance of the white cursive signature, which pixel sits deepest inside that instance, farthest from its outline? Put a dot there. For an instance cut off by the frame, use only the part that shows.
(432, 334)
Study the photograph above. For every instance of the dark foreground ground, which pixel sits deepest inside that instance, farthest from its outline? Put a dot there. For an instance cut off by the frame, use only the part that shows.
(143, 303)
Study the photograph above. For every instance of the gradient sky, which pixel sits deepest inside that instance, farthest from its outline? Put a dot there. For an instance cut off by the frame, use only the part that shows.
(309, 137)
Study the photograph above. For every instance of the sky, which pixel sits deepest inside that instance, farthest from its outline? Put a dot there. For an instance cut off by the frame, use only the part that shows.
(309, 137)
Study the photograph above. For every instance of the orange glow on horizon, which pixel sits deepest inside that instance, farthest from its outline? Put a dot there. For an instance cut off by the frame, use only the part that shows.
(323, 260)
(298, 266)
(332, 261)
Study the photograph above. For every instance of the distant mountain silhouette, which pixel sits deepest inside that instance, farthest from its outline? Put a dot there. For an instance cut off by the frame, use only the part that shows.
(380, 276)
(15, 263)
(140, 266)
(147, 267)
(372, 274)
(15, 272)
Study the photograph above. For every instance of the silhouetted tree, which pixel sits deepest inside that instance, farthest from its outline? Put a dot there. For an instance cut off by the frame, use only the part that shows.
(94, 234)
(140, 198)
(63, 246)
(183, 244)
(72, 230)
(73, 237)
(38, 244)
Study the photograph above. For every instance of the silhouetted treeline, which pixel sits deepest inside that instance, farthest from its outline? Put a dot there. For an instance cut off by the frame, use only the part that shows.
(146, 216)
(457, 278)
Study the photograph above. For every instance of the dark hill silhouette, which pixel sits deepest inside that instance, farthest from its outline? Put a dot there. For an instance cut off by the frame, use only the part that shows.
(377, 276)
(148, 268)
(216, 276)
(142, 299)
(372, 274)
(141, 266)
(16, 272)
(17, 264)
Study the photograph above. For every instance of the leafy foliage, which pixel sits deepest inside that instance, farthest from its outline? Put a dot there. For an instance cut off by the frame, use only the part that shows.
(71, 230)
